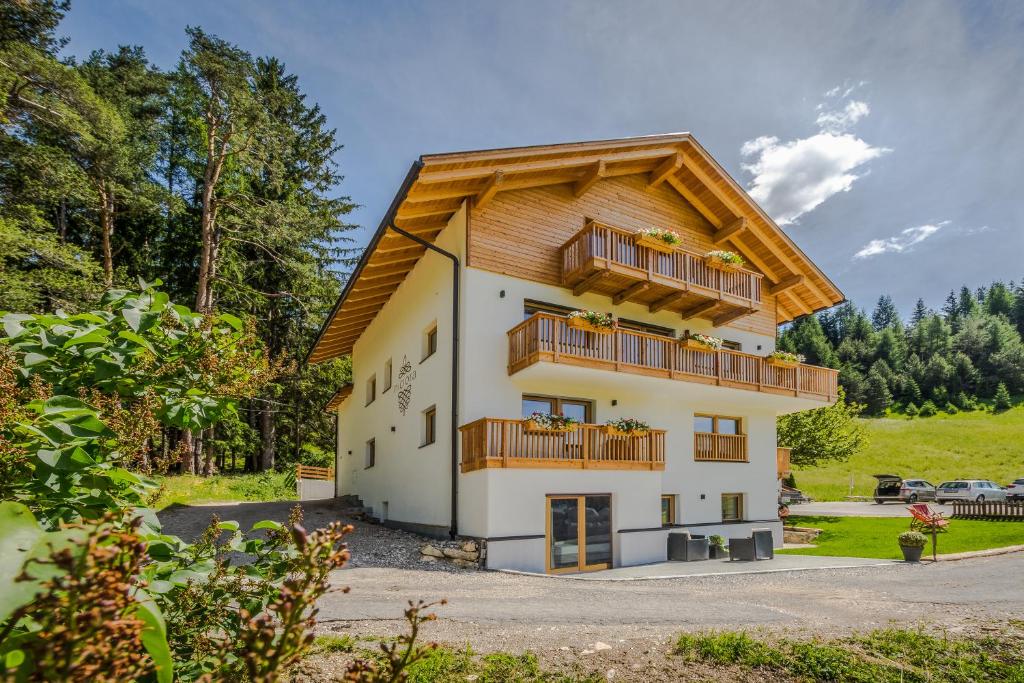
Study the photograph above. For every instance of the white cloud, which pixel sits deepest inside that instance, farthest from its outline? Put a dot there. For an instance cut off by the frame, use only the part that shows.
(792, 178)
(900, 242)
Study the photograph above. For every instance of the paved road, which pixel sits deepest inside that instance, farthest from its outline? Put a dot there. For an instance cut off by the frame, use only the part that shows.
(514, 612)
(855, 509)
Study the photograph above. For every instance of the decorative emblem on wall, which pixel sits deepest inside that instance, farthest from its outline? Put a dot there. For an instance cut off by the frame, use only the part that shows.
(406, 376)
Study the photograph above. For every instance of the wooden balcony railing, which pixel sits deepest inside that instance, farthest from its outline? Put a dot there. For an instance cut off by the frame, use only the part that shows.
(782, 465)
(603, 247)
(547, 337)
(720, 447)
(493, 442)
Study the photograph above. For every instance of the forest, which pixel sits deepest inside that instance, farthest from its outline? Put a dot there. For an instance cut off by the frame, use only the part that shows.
(968, 354)
(217, 178)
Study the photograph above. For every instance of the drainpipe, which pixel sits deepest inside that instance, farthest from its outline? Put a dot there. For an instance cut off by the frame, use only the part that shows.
(453, 529)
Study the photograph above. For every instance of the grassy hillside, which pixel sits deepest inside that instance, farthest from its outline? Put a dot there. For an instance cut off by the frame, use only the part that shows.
(976, 445)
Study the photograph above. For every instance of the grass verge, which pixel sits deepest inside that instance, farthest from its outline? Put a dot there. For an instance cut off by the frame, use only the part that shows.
(974, 445)
(876, 536)
(190, 489)
(897, 655)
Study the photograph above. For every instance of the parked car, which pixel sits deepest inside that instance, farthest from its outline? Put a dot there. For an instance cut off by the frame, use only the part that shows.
(892, 487)
(978, 490)
(1015, 491)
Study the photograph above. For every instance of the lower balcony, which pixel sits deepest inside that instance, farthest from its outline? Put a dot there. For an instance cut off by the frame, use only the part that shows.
(720, 447)
(496, 442)
(544, 337)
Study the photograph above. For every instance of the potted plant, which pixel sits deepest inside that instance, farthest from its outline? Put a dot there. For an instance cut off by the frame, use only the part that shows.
(724, 260)
(592, 321)
(717, 548)
(912, 544)
(703, 342)
(784, 359)
(626, 426)
(658, 239)
(545, 422)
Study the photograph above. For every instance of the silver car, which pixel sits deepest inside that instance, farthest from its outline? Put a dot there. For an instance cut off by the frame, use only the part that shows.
(978, 490)
(1015, 491)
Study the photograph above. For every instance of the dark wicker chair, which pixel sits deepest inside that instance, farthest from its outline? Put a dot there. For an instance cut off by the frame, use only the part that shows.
(764, 544)
(742, 549)
(685, 548)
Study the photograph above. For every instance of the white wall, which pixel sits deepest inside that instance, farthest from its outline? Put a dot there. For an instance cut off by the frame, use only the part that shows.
(413, 479)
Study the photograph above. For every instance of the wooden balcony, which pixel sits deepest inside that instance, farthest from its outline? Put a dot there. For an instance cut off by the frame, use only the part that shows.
(607, 260)
(493, 442)
(544, 337)
(720, 447)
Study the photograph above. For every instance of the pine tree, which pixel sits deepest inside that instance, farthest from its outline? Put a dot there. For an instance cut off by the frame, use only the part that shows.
(950, 309)
(920, 312)
(1002, 398)
(877, 394)
(885, 314)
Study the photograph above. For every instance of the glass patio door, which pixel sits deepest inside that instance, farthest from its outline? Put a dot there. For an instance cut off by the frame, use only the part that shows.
(579, 534)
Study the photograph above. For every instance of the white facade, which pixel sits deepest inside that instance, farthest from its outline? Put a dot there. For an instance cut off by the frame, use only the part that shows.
(409, 482)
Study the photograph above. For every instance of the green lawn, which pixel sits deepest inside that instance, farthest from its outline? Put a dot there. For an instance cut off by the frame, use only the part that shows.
(976, 445)
(876, 536)
(189, 489)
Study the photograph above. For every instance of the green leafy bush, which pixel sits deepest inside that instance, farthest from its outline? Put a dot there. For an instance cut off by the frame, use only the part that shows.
(913, 539)
(911, 410)
(951, 409)
(928, 409)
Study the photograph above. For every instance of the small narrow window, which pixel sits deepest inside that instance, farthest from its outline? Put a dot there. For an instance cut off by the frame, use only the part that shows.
(387, 376)
(732, 507)
(732, 345)
(371, 389)
(429, 425)
(668, 510)
(430, 342)
(371, 453)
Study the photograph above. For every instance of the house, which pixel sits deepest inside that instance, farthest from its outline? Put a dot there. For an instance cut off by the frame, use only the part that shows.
(458, 321)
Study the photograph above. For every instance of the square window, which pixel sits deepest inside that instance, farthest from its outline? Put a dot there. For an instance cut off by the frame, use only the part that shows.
(371, 389)
(728, 425)
(430, 342)
(668, 510)
(705, 424)
(387, 376)
(429, 425)
(732, 507)
(371, 453)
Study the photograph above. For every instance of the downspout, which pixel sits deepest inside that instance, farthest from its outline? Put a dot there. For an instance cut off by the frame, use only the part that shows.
(453, 529)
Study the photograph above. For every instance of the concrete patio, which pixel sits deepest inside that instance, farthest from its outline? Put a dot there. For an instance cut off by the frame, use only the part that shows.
(725, 567)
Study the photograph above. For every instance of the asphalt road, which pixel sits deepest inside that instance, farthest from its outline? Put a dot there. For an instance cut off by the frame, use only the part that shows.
(495, 610)
(856, 509)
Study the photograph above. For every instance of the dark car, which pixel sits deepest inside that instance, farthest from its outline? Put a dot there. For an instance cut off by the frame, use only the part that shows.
(894, 488)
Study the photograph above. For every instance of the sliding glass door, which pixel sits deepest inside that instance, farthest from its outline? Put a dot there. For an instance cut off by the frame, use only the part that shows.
(579, 533)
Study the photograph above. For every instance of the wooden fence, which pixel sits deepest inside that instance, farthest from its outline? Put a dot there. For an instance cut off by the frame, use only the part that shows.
(310, 472)
(1004, 510)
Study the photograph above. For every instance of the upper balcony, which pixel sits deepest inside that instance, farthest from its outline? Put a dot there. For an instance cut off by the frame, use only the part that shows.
(608, 260)
(544, 337)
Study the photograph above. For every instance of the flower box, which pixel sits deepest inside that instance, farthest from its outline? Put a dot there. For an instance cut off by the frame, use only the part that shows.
(716, 261)
(615, 431)
(779, 363)
(534, 427)
(653, 241)
(580, 323)
(690, 343)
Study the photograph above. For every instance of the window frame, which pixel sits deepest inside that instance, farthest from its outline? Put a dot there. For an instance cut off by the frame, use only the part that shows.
(557, 401)
(671, 498)
(429, 426)
(740, 431)
(388, 376)
(370, 457)
(371, 389)
(429, 341)
(739, 508)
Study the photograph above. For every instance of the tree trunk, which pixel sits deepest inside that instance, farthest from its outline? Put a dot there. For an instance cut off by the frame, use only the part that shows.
(188, 459)
(209, 467)
(106, 230)
(267, 438)
(62, 219)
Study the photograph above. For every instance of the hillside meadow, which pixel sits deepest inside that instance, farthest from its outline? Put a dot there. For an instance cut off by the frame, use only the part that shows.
(975, 445)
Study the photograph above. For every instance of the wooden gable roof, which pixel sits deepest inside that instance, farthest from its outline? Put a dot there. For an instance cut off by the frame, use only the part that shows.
(438, 184)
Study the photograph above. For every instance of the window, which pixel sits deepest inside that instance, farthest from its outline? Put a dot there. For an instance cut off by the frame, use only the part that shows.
(719, 438)
(429, 425)
(579, 409)
(430, 342)
(387, 376)
(371, 453)
(371, 389)
(646, 327)
(530, 307)
(732, 507)
(668, 510)
(732, 345)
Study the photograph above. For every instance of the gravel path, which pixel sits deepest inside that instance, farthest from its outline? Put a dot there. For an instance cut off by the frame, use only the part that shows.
(371, 545)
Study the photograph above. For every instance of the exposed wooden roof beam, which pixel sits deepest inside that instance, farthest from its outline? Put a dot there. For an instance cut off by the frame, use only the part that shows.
(691, 197)
(435, 225)
(410, 211)
(588, 283)
(729, 316)
(396, 257)
(630, 292)
(786, 283)
(788, 263)
(693, 166)
(797, 302)
(664, 170)
(489, 190)
(361, 288)
(666, 301)
(593, 174)
(748, 253)
(727, 231)
(698, 310)
(383, 271)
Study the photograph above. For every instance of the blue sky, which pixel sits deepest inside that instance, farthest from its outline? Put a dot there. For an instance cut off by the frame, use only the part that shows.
(887, 138)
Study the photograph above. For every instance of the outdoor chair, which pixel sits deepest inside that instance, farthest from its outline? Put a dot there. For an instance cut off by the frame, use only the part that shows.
(685, 548)
(764, 544)
(923, 518)
(742, 549)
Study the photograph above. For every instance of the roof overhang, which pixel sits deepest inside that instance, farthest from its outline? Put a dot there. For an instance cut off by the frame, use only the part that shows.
(437, 185)
(339, 397)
